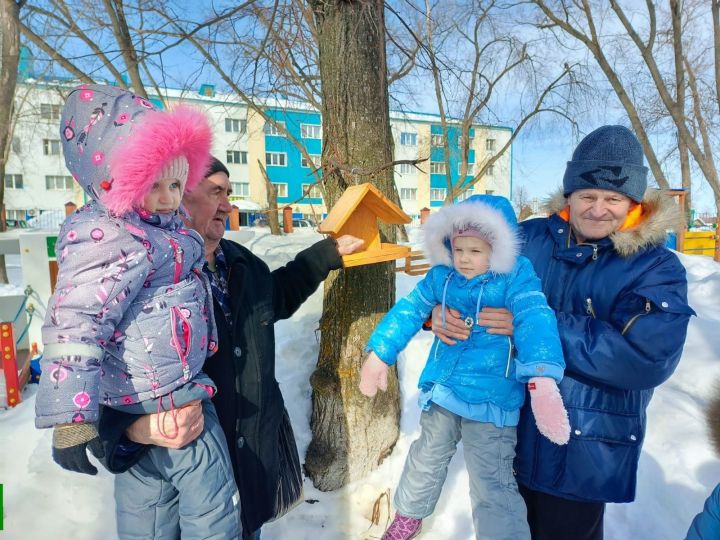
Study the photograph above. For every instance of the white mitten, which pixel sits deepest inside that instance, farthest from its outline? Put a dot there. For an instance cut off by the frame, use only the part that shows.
(373, 375)
(547, 406)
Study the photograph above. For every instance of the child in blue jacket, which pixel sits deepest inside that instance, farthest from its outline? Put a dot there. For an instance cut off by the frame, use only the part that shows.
(473, 390)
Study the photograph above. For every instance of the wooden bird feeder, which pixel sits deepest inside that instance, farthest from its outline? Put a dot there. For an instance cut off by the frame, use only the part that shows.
(357, 213)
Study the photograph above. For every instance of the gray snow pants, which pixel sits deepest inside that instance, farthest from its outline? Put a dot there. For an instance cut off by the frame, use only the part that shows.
(188, 493)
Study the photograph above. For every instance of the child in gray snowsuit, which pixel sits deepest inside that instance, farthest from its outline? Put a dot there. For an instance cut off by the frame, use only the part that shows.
(131, 321)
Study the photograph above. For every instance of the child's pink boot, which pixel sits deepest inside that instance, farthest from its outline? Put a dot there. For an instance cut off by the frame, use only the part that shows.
(403, 528)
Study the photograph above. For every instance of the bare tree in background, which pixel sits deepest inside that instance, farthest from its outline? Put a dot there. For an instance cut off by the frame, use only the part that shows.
(472, 51)
(9, 59)
(675, 67)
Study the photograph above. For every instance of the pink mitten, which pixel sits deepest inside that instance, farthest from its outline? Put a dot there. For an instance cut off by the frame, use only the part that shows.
(373, 375)
(547, 406)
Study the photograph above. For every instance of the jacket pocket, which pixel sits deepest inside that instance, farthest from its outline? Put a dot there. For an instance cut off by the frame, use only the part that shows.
(602, 456)
(613, 428)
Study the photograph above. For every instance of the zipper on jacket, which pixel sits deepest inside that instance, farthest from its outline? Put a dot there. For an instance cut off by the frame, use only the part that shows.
(595, 251)
(509, 359)
(647, 309)
(589, 307)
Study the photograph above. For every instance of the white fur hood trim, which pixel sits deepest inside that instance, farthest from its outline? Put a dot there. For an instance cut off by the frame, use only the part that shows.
(502, 236)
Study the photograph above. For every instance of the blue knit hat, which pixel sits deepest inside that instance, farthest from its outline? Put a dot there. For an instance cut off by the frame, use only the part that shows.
(608, 158)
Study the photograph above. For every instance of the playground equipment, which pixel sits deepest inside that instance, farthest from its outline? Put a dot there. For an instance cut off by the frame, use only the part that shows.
(15, 356)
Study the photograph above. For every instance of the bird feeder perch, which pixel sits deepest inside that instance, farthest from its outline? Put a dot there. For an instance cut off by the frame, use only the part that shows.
(357, 213)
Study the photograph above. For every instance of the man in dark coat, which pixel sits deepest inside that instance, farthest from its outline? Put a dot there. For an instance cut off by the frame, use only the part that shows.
(620, 298)
(248, 300)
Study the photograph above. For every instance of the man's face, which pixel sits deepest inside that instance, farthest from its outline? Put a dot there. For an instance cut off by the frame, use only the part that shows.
(597, 213)
(209, 207)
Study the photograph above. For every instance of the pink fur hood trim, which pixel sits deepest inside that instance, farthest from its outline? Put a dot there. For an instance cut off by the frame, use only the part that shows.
(157, 138)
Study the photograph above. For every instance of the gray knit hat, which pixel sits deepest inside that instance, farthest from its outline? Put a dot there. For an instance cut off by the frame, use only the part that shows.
(608, 158)
(177, 169)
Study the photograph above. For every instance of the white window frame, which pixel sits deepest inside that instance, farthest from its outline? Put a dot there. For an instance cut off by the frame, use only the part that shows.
(411, 135)
(440, 194)
(470, 169)
(240, 189)
(316, 161)
(270, 129)
(465, 194)
(310, 131)
(437, 167)
(241, 155)
(406, 168)
(282, 188)
(235, 125)
(490, 145)
(490, 171)
(408, 194)
(15, 213)
(54, 179)
(315, 191)
(51, 147)
(11, 181)
(437, 139)
(489, 191)
(279, 157)
(50, 111)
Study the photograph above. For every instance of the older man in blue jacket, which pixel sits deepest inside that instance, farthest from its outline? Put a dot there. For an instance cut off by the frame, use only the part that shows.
(621, 302)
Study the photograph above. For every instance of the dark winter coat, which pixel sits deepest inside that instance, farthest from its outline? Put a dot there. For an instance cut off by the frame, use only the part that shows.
(248, 402)
(622, 311)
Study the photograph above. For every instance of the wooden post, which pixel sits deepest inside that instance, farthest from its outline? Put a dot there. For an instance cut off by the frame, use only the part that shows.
(70, 208)
(680, 235)
(235, 218)
(424, 214)
(287, 220)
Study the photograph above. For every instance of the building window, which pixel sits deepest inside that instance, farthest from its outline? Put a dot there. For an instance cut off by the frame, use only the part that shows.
(436, 140)
(406, 168)
(236, 156)
(281, 189)
(49, 111)
(408, 194)
(51, 147)
(311, 131)
(315, 161)
(13, 181)
(470, 168)
(314, 193)
(490, 171)
(465, 194)
(408, 138)
(490, 145)
(277, 159)
(17, 215)
(240, 189)
(437, 167)
(59, 182)
(272, 130)
(489, 191)
(234, 125)
(438, 194)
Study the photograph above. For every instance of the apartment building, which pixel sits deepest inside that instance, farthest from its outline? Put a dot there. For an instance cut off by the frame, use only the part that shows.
(37, 182)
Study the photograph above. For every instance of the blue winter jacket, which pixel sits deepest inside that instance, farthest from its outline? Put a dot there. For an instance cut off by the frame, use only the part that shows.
(481, 369)
(706, 525)
(622, 312)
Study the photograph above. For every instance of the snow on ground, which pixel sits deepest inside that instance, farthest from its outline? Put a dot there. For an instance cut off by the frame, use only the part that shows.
(677, 469)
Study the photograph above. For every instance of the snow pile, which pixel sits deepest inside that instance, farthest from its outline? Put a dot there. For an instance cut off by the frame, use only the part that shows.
(677, 470)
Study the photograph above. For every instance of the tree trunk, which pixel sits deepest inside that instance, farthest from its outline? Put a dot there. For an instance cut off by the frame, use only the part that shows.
(9, 58)
(352, 434)
(272, 214)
